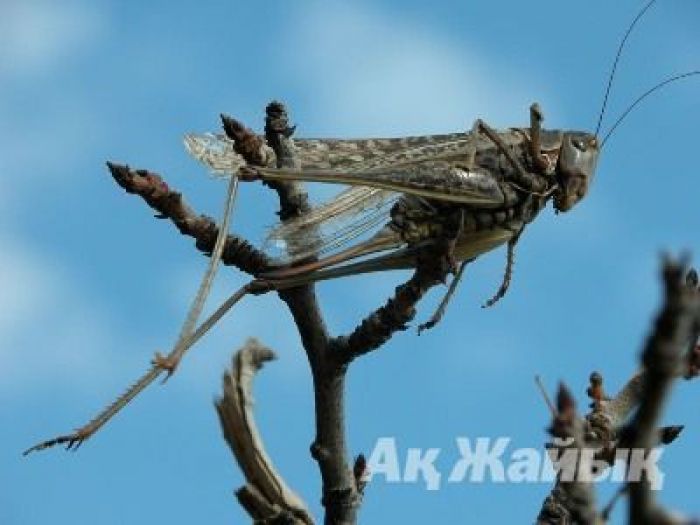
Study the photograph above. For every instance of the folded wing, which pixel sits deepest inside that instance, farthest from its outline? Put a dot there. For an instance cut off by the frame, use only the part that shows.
(378, 170)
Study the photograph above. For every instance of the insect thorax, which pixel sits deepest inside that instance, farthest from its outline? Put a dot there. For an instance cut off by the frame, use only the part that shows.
(418, 219)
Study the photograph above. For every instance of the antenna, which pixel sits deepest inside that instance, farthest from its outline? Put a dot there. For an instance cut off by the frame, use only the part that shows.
(642, 97)
(617, 59)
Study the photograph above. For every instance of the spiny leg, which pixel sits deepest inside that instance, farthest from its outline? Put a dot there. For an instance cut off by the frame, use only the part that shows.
(440, 312)
(188, 336)
(454, 228)
(74, 440)
(507, 275)
(170, 362)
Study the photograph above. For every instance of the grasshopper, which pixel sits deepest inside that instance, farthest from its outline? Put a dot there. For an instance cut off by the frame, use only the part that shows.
(469, 191)
(466, 193)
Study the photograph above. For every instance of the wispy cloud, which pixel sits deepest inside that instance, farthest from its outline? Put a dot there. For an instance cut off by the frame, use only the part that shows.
(35, 35)
(45, 130)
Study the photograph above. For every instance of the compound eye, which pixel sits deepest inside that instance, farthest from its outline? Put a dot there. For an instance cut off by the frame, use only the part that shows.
(579, 144)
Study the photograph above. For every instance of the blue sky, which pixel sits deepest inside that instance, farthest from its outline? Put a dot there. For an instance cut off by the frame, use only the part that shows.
(92, 285)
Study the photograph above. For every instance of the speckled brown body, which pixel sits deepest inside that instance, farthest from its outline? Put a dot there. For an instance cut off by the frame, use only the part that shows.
(418, 218)
(476, 189)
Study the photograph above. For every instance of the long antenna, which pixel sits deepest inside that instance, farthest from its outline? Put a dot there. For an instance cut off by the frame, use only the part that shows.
(642, 97)
(617, 59)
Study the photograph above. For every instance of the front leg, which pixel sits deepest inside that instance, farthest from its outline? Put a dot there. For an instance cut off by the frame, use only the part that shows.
(530, 182)
(453, 227)
(536, 119)
(159, 365)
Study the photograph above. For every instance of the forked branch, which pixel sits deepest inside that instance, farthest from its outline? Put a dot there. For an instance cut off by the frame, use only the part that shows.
(169, 204)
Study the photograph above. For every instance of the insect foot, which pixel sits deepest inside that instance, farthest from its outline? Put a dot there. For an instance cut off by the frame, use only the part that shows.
(72, 441)
(166, 363)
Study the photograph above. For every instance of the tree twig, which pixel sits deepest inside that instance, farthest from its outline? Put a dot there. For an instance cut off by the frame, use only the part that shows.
(377, 328)
(170, 205)
(662, 357)
(341, 498)
(572, 499)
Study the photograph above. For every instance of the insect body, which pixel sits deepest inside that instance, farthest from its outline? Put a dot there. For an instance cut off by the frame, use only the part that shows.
(473, 191)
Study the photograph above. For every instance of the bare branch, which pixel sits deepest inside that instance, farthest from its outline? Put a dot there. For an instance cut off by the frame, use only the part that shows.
(170, 205)
(266, 495)
(377, 328)
(280, 152)
(572, 499)
(607, 428)
(293, 198)
(341, 497)
(662, 357)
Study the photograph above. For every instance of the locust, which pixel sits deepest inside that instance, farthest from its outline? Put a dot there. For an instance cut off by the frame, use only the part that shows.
(466, 193)
(469, 192)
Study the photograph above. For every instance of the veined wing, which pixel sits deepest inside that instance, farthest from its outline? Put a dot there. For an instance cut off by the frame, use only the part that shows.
(214, 151)
(358, 209)
(377, 182)
(330, 225)
(350, 215)
(347, 153)
(433, 179)
(420, 170)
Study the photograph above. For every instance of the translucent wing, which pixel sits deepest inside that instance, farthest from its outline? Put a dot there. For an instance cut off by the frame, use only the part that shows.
(421, 169)
(214, 151)
(353, 213)
(356, 210)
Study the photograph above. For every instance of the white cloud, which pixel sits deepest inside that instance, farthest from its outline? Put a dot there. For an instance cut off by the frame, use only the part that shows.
(36, 34)
(369, 72)
(43, 131)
